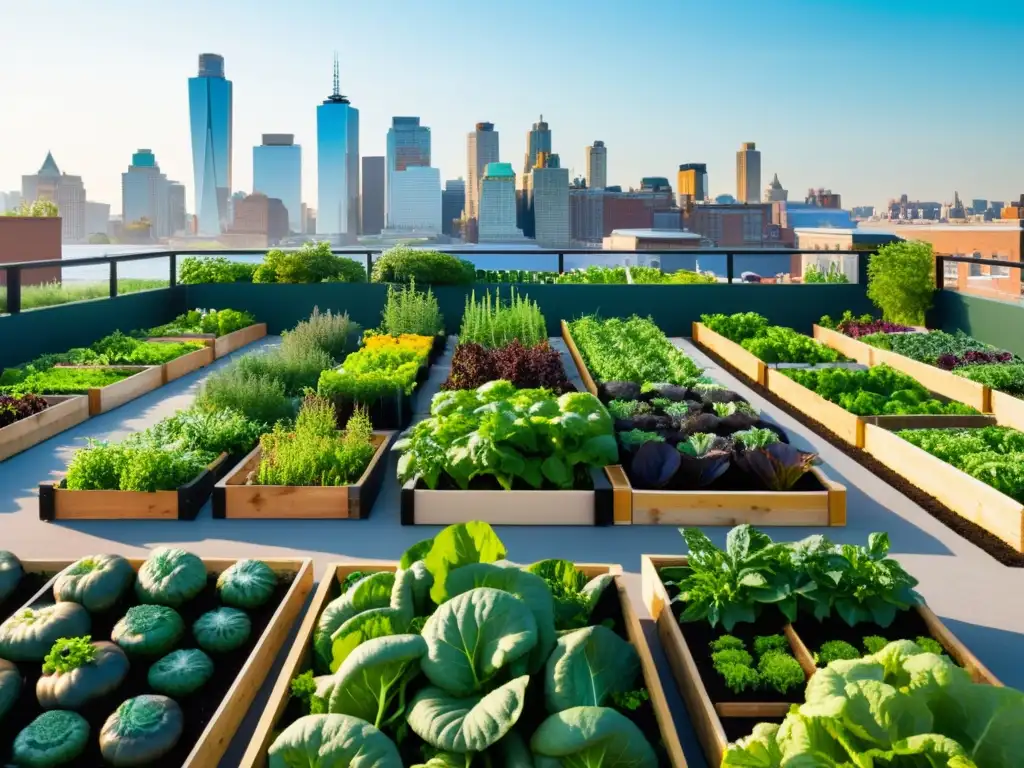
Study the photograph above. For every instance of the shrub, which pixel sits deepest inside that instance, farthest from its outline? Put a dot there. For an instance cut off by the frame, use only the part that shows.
(309, 264)
(195, 270)
(333, 334)
(526, 367)
(315, 454)
(685, 277)
(494, 324)
(402, 265)
(260, 398)
(901, 281)
(410, 311)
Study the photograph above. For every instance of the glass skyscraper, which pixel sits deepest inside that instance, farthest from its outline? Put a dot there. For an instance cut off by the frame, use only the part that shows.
(337, 147)
(408, 147)
(277, 172)
(210, 110)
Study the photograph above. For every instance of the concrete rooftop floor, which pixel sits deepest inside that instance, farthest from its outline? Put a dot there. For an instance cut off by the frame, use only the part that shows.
(980, 600)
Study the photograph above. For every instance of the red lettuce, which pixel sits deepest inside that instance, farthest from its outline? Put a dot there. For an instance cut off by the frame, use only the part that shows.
(17, 407)
(526, 367)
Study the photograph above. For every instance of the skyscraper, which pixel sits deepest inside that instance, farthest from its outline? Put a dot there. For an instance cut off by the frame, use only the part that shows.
(482, 146)
(210, 111)
(538, 139)
(775, 192)
(453, 202)
(416, 194)
(748, 173)
(597, 165)
(176, 208)
(371, 202)
(408, 147)
(337, 142)
(68, 192)
(549, 202)
(145, 194)
(277, 173)
(497, 214)
(692, 183)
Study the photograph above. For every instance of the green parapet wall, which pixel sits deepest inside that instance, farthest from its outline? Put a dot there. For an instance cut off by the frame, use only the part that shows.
(999, 323)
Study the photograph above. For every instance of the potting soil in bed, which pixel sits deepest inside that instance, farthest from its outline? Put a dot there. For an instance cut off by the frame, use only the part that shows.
(198, 709)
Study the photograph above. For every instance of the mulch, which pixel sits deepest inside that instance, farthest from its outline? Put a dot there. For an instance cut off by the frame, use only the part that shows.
(974, 533)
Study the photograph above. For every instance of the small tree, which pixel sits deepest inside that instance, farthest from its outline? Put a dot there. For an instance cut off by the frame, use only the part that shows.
(901, 281)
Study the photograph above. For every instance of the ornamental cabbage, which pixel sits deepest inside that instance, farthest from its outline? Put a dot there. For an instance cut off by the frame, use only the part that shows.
(170, 577)
(53, 738)
(222, 630)
(181, 672)
(148, 630)
(141, 731)
(247, 584)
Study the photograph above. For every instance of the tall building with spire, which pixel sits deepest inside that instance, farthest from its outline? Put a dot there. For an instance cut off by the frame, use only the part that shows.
(482, 148)
(538, 140)
(337, 143)
(210, 113)
(597, 165)
(68, 192)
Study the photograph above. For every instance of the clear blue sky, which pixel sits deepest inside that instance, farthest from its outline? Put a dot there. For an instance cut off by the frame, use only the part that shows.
(869, 98)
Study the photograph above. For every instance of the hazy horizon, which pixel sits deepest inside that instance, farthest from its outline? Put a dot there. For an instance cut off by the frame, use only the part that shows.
(869, 99)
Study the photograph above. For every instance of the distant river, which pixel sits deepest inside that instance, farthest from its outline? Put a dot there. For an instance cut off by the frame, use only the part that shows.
(764, 264)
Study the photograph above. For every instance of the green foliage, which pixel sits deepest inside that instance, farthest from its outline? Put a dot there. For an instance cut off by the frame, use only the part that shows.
(410, 311)
(634, 438)
(195, 270)
(68, 654)
(129, 467)
(494, 324)
(402, 265)
(731, 656)
(755, 437)
(35, 209)
(218, 322)
(60, 381)
(260, 398)
(686, 277)
(834, 274)
(330, 333)
(834, 650)
(880, 390)
(631, 350)
(310, 264)
(525, 436)
(739, 677)
(627, 409)
(333, 740)
(55, 293)
(1003, 377)
(727, 643)
(314, 453)
(303, 688)
(631, 700)
(901, 281)
(738, 327)
(873, 643)
(994, 455)
(221, 431)
(531, 277)
(784, 345)
(765, 644)
(864, 712)
(781, 671)
(574, 596)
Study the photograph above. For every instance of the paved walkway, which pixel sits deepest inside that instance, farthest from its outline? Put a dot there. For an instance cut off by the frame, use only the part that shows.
(979, 599)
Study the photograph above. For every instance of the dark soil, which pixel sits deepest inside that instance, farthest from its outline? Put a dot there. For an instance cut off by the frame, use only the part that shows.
(198, 708)
(993, 545)
(741, 727)
(908, 625)
(28, 586)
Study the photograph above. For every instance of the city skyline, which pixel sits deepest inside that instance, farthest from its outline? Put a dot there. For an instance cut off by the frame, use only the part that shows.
(865, 132)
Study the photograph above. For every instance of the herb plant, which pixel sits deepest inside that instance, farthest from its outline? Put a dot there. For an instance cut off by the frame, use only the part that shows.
(331, 333)
(994, 455)
(1008, 378)
(781, 671)
(260, 398)
(408, 311)
(69, 653)
(834, 650)
(493, 323)
(134, 467)
(633, 350)
(931, 346)
(832, 274)
(221, 431)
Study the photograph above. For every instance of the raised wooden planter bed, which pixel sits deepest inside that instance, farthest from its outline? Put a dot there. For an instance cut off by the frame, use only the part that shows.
(826, 507)
(221, 725)
(970, 498)
(574, 352)
(232, 498)
(64, 412)
(103, 399)
(300, 659)
(707, 715)
(186, 364)
(945, 383)
(849, 426)
(1008, 410)
(58, 503)
(226, 344)
(743, 361)
(422, 506)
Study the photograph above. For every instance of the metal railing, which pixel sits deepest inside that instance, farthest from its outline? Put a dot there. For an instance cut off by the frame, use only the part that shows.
(13, 271)
(942, 259)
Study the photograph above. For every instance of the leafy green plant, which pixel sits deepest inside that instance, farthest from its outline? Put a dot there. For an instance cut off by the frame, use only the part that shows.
(195, 270)
(148, 630)
(314, 453)
(634, 438)
(494, 324)
(784, 345)
(221, 431)
(1003, 377)
(627, 409)
(259, 398)
(765, 644)
(631, 350)
(740, 677)
(124, 467)
(901, 280)
(834, 650)
(68, 654)
(994, 455)
(755, 437)
(61, 381)
(738, 327)
(880, 390)
(218, 322)
(950, 721)
(410, 311)
(630, 701)
(781, 671)
(402, 265)
(313, 263)
(832, 274)
(330, 333)
(874, 643)
(929, 347)
(731, 656)
(303, 688)
(509, 435)
(726, 643)
(779, 466)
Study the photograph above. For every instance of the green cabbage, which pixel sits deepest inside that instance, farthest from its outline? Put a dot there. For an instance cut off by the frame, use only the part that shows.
(901, 707)
(52, 739)
(96, 582)
(247, 584)
(373, 591)
(170, 577)
(595, 737)
(148, 630)
(180, 673)
(222, 630)
(141, 731)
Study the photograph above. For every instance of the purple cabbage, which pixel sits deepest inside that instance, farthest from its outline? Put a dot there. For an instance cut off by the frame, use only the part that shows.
(779, 466)
(654, 465)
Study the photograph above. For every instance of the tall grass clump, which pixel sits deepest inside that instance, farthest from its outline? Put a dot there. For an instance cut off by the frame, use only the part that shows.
(314, 452)
(410, 311)
(492, 323)
(296, 367)
(334, 334)
(259, 398)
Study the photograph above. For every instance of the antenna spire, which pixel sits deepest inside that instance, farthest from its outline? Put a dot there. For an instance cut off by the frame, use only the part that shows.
(337, 84)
